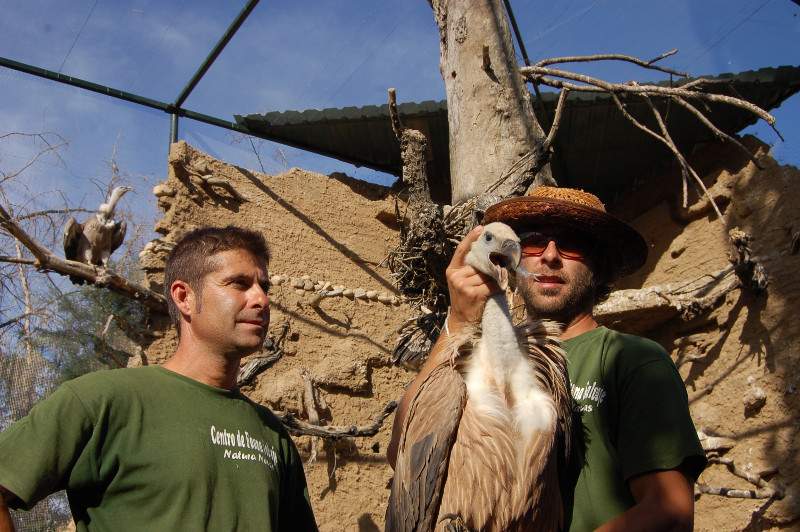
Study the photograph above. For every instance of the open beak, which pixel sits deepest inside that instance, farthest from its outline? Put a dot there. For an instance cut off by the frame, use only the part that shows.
(507, 258)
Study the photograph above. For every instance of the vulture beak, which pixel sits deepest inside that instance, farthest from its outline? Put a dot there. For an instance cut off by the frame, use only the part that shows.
(507, 258)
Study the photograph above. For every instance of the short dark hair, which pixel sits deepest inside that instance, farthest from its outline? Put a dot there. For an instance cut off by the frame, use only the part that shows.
(192, 259)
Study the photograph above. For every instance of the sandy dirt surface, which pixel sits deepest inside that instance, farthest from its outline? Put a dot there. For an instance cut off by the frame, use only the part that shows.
(337, 230)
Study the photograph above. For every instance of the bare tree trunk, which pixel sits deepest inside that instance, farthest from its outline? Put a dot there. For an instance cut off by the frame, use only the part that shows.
(489, 110)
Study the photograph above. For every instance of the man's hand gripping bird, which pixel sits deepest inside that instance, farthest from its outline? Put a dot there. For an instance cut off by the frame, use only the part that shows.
(481, 436)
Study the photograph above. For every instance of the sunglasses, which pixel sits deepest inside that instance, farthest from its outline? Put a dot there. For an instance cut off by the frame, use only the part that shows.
(569, 245)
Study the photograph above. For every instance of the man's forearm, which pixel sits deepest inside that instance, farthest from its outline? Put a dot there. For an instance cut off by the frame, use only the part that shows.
(664, 502)
(6, 524)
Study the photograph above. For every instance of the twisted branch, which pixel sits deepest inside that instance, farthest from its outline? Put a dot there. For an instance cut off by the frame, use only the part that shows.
(548, 76)
(765, 491)
(299, 428)
(46, 260)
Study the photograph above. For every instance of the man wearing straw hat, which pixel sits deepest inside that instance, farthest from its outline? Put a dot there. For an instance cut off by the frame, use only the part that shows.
(636, 453)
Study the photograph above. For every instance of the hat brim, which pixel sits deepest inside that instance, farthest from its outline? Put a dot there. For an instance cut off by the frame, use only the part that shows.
(625, 250)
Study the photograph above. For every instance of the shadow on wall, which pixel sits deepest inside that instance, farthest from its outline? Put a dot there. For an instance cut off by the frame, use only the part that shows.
(739, 360)
(341, 248)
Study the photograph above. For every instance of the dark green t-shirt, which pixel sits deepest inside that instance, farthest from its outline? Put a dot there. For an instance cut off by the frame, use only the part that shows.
(148, 449)
(631, 417)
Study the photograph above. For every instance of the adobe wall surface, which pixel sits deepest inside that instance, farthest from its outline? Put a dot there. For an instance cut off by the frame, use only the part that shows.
(745, 385)
(339, 230)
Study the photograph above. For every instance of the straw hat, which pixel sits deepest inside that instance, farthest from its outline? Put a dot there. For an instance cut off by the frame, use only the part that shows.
(625, 250)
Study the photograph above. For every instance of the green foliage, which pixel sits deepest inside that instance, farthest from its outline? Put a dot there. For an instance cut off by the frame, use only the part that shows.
(73, 343)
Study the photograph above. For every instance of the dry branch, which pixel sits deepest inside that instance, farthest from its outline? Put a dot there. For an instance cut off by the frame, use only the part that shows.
(203, 178)
(703, 345)
(299, 428)
(765, 491)
(718, 132)
(259, 363)
(419, 262)
(413, 269)
(656, 304)
(310, 405)
(615, 57)
(681, 95)
(540, 75)
(715, 443)
(46, 260)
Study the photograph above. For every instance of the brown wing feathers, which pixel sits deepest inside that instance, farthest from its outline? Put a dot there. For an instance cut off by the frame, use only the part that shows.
(424, 451)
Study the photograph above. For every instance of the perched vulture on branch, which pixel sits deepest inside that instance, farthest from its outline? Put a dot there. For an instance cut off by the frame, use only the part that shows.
(480, 444)
(93, 241)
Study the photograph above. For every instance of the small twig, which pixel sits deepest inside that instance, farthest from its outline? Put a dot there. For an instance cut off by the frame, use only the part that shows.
(718, 132)
(313, 416)
(615, 57)
(397, 125)
(662, 56)
(37, 214)
(17, 260)
(686, 169)
(556, 120)
(684, 163)
(106, 347)
(299, 428)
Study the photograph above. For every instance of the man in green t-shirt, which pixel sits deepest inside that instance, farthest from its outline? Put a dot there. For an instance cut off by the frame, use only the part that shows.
(636, 454)
(175, 446)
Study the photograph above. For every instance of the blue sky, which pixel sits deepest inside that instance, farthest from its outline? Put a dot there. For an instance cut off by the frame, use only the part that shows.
(311, 55)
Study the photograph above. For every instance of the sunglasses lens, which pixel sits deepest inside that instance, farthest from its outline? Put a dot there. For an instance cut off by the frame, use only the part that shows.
(534, 244)
(570, 246)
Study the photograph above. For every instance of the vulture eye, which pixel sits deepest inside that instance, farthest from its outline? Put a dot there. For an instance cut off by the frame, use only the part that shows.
(488, 237)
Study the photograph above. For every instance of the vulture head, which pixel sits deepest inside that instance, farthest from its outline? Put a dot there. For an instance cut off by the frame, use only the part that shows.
(106, 210)
(495, 252)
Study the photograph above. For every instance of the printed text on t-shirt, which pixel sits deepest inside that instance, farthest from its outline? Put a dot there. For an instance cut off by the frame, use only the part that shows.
(255, 449)
(585, 395)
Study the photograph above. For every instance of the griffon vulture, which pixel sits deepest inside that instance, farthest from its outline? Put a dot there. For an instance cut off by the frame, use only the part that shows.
(480, 443)
(93, 241)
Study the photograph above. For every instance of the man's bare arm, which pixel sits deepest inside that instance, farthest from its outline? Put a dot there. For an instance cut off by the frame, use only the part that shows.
(664, 502)
(6, 524)
(469, 291)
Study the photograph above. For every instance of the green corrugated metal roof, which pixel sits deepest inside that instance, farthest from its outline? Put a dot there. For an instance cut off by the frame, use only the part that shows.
(597, 148)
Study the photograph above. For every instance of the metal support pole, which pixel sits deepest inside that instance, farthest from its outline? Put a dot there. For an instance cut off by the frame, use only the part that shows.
(173, 128)
(227, 36)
